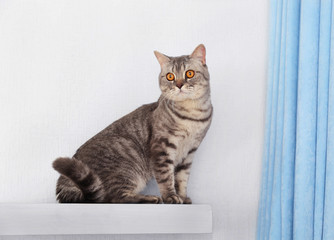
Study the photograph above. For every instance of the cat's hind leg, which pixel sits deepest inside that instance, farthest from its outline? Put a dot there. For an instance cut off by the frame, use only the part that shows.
(137, 198)
(126, 188)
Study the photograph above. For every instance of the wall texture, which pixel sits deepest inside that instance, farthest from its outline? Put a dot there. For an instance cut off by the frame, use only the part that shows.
(70, 68)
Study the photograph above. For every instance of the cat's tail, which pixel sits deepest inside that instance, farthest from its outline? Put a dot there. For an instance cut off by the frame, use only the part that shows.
(87, 185)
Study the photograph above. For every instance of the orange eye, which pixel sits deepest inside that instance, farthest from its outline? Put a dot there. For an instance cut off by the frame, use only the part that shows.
(170, 76)
(190, 73)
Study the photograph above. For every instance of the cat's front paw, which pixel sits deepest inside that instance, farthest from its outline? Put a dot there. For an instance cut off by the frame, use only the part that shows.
(173, 199)
(187, 200)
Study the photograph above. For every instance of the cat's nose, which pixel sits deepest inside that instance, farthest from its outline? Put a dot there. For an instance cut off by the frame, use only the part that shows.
(179, 84)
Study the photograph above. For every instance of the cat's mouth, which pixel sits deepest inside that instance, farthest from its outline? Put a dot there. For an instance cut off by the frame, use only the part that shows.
(183, 94)
(182, 91)
(179, 94)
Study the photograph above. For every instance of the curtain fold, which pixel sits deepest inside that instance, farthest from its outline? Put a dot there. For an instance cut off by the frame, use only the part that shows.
(297, 192)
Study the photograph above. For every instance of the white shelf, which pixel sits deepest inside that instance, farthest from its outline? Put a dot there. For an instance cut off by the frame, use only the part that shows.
(54, 219)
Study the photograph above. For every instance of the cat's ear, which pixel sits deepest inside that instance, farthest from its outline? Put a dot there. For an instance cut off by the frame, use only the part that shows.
(162, 59)
(199, 53)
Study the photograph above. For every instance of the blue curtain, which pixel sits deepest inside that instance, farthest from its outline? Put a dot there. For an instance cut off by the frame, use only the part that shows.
(297, 192)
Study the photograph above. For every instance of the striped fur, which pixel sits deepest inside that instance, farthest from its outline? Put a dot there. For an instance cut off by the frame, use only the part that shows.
(156, 140)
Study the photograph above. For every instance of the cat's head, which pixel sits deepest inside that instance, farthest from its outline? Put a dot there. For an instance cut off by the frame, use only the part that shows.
(185, 77)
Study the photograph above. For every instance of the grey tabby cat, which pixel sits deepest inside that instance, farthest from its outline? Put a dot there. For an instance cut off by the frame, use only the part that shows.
(156, 140)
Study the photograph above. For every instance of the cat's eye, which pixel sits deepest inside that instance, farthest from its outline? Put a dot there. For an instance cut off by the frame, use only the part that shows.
(170, 76)
(190, 73)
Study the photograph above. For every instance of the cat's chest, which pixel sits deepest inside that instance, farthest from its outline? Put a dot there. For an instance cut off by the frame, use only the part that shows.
(194, 135)
(183, 127)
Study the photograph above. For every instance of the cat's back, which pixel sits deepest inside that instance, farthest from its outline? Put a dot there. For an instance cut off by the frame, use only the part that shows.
(136, 126)
(134, 122)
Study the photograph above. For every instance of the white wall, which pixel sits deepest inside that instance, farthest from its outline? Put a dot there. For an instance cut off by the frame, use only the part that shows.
(70, 68)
